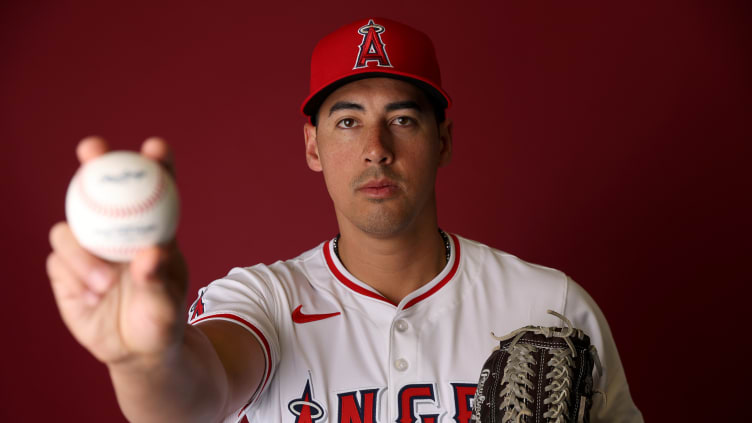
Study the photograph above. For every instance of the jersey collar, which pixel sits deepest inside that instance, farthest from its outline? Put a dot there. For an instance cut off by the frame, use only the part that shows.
(339, 272)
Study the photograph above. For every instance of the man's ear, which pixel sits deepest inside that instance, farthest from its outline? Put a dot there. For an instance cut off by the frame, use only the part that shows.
(311, 147)
(445, 138)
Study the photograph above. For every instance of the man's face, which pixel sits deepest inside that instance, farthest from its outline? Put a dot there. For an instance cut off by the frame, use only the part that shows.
(379, 146)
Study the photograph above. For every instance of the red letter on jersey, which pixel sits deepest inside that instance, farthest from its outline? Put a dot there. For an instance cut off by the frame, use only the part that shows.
(407, 398)
(305, 408)
(463, 394)
(350, 411)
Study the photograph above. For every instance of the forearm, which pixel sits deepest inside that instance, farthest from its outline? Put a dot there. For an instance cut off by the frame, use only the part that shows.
(186, 384)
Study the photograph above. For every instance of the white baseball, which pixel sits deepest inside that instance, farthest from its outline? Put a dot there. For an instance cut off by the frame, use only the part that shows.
(121, 202)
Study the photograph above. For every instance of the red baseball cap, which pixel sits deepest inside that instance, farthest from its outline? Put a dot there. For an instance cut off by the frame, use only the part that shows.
(370, 48)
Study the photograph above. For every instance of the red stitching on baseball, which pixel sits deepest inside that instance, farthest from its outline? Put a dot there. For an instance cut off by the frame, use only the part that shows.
(116, 250)
(120, 212)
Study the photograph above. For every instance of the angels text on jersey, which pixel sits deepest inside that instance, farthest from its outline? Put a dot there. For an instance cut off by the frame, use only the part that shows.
(415, 403)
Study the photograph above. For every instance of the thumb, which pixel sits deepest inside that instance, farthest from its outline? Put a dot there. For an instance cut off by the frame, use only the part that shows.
(154, 299)
(145, 266)
(163, 268)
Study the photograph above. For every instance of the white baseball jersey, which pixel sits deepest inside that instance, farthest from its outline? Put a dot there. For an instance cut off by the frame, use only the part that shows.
(337, 351)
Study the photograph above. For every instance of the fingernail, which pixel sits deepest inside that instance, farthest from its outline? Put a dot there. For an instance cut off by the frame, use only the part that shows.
(99, 280)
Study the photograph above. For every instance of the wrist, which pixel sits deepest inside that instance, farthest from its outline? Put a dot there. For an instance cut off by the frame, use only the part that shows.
(140, 364)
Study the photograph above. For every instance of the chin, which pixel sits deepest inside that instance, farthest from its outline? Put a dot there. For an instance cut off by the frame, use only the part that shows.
(384, 224)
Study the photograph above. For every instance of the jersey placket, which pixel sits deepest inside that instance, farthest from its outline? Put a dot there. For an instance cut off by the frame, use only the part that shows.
(403, 365)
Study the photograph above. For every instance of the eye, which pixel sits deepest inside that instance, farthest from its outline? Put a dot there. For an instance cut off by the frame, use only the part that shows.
(403, 121)
(346, 123)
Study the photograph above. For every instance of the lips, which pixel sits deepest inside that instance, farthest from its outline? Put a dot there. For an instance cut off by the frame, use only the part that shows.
(380, 188)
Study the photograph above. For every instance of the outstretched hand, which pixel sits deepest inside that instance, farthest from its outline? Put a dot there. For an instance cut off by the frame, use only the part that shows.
(121, 312)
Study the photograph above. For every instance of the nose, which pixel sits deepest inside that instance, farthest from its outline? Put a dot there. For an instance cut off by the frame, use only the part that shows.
(378, 146)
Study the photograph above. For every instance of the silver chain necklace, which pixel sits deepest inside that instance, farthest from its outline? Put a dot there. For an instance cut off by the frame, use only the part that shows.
(447, 245)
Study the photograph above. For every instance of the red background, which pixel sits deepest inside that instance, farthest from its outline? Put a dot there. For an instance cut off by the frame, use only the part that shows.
(606, 139)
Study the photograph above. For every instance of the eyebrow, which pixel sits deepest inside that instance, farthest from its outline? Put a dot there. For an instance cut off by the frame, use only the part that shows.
(409, 104)
(342, 105)
(399, 105)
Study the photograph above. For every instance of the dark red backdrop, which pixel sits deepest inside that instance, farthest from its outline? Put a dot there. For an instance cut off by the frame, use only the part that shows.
(606, 139)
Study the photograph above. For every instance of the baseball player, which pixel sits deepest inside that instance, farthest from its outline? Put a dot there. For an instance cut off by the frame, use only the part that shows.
(388, 321)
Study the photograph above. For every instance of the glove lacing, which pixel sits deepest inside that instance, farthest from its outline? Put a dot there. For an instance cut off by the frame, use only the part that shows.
(517, 373)
(515, 396)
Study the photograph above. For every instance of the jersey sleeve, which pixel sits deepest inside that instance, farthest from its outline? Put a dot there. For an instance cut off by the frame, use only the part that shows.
(615, 405)
(244, 297)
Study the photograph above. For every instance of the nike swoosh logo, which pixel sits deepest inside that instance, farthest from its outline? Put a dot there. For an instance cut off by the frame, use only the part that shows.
(299, 317)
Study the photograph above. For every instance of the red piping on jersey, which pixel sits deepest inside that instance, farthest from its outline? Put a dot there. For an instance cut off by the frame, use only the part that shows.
(261, 336)
(444, 281)
(347, 282)
(357, 288)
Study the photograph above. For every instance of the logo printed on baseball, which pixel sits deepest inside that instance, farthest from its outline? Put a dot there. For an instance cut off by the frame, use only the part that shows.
(121, 202)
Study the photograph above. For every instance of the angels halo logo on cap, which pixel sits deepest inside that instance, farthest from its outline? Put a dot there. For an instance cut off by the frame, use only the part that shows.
(372, 48)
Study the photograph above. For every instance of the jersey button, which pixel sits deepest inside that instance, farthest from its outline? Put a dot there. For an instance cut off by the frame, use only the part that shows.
(401, 364)
(400, 325)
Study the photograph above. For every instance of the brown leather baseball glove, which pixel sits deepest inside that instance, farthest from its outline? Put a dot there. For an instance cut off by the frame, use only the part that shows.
(538, 374)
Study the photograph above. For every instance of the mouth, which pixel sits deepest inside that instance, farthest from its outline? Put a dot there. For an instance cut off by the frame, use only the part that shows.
(379, 189)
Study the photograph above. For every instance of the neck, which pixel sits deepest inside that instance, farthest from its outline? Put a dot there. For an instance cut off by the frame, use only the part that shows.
(396, 265)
